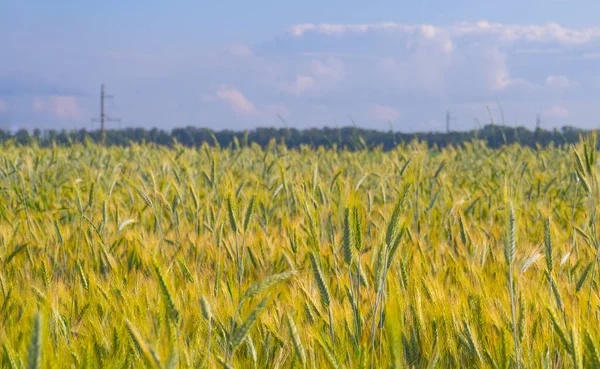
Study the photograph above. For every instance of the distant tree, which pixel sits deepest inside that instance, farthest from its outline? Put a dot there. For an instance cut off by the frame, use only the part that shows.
(22, 137)
(349, 138)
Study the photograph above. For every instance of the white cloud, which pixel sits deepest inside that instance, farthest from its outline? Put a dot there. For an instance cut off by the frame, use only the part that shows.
(559, 83)
(382, 113)
(2, 106)
(316, 76)
(237, 100)
(331, 69)
(468, 58)
(425, 59)
(420, 70)
(546, 33)
(427, 36)
(303, 83)
(436, 69)
(299, 29)
(340, 29)
(483, 67)
(314, 73)
(333, 29)
(61, 107)
(423, 65)
(550, 32)
(241, 105)
(556, 111)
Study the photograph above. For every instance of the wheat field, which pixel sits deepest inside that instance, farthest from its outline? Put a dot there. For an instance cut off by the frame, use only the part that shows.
(245, 257)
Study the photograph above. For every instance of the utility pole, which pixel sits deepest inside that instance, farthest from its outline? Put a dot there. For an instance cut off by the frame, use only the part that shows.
(103, 117)
(448, 119)
(538, 127)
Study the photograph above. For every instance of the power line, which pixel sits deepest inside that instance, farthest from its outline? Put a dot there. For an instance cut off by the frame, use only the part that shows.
(103, 117)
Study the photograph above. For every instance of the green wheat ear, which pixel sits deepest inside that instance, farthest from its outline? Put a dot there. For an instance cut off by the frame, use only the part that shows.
(358, 238)
(329, 355)
(243, 330)
(296, 341)
(231, 212)
(548, 245)
(318, 275)
(147, 355)
(511, 244)
(348, 238)
(169, 301)
(265, 284)
(35, 344)
(592, 351)
(249, 212)
(464, 234)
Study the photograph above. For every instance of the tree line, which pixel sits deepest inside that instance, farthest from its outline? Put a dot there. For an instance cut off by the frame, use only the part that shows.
(350, 138)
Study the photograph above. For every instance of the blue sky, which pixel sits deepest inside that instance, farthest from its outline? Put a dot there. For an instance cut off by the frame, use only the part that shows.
(239, 64)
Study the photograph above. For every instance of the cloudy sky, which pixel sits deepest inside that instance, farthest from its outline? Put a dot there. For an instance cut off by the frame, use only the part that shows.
(240, 64)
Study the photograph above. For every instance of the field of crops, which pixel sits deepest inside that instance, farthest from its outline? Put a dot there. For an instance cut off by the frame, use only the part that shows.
(270, 258)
